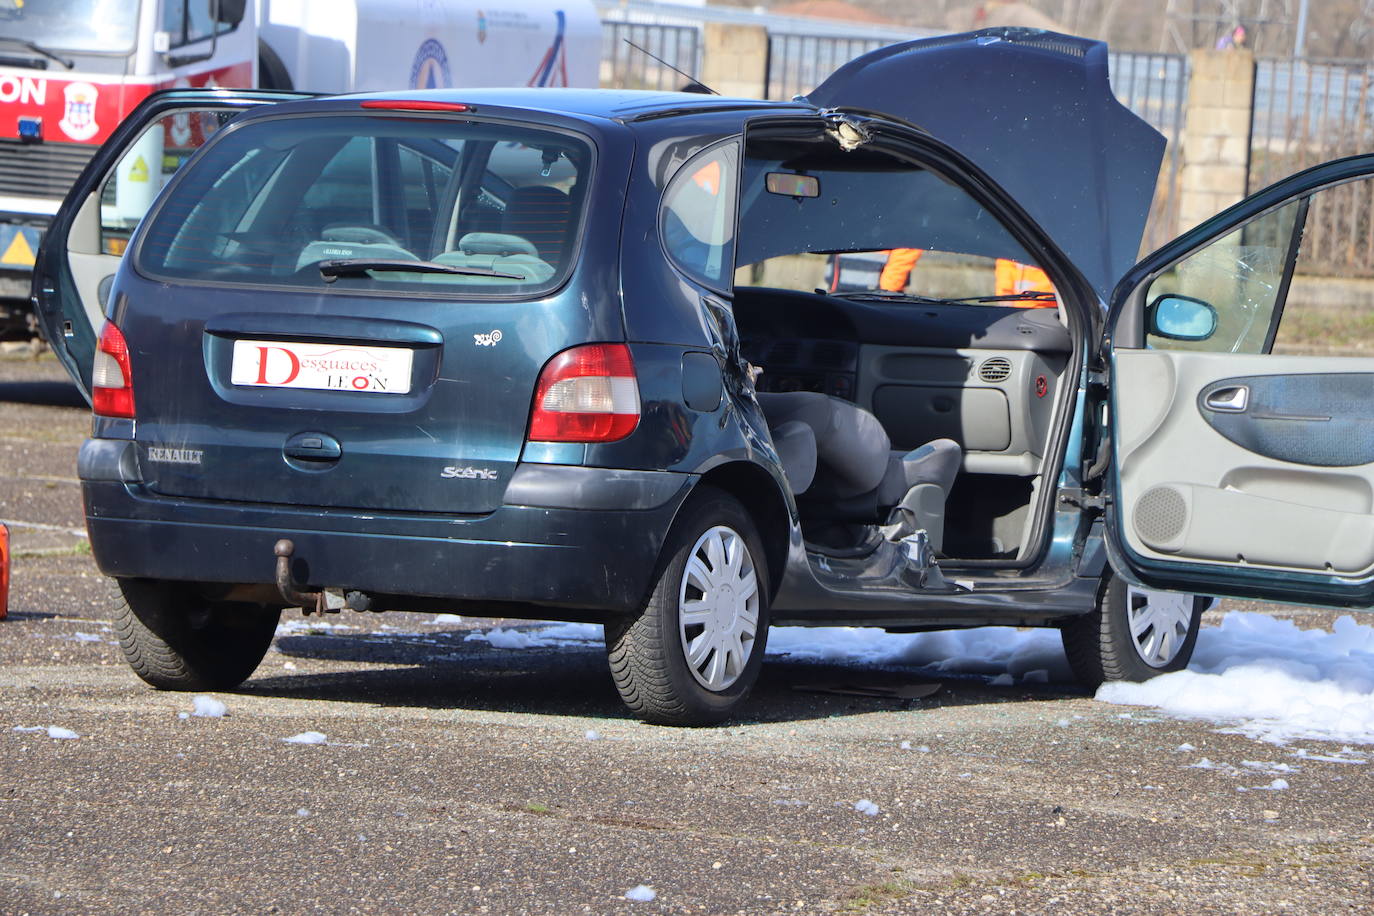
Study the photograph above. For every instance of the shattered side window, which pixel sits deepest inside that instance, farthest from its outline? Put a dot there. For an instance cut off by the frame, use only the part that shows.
(1241, 276)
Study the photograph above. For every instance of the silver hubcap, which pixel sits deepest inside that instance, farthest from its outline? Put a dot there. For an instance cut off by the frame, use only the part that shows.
(718, 608)
(1159, 624)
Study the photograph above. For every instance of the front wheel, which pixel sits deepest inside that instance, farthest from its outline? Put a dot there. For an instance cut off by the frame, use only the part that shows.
(1133, 635)
(177, 640)
(693, 652)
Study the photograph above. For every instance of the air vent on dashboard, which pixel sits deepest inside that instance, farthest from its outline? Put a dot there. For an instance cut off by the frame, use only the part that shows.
(995, 369)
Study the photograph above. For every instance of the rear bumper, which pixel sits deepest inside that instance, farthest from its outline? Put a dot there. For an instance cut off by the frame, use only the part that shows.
(599, 558)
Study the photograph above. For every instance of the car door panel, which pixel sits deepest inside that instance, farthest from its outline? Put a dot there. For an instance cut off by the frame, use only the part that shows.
(75, 266)
(1324, 419)
(1255, 486)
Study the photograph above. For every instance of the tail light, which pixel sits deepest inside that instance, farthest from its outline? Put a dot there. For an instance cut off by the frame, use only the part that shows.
(586, 394)
(112, 381)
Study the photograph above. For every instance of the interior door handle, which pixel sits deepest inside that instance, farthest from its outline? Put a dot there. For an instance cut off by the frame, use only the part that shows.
(1234, 398)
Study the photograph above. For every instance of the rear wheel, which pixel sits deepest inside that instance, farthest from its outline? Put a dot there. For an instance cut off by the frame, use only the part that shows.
(176, 640)
(693, 652)
(1133, 635)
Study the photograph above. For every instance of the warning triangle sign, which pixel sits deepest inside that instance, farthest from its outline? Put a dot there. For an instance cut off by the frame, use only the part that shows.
(18, 251)
(139, 170)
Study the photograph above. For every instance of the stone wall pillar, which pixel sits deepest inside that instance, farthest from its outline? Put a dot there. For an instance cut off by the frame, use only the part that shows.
(734, 59)
(1216, 134)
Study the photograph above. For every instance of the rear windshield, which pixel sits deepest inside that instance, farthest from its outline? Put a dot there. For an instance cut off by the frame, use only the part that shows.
(376, 203)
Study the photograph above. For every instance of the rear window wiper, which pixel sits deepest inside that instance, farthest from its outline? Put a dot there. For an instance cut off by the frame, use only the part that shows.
(39, 49)
(352, 267)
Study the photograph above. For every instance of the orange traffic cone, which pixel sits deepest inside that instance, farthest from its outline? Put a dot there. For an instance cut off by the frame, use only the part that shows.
(4, 572)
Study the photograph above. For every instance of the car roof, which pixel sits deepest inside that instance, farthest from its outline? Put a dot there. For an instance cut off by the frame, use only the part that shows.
(610, 104)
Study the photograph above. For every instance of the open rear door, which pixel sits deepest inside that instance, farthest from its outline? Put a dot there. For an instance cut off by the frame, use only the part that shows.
(1243, 448)
(81, 251)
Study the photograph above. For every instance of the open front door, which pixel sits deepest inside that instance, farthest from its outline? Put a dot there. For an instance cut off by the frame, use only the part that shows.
(1242, 410)
(82, 248)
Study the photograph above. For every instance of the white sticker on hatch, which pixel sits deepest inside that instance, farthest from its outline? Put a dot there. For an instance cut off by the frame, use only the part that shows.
(282, 364)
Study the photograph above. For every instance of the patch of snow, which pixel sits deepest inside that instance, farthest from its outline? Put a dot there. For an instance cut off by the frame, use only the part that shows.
(29, 728)
(86, 637)
(1205, 764)
(1346, 755)
(302, 812)
(1269, 680)
(641, 892)
(1266, 767)
(1038, 676)
(923, 749)
(289, 666)
(1277, 784)
(305, 624)
(183, 715)
(864, 806)
(1184, 748)
(539, 637)
(307, 738)
(790, 802)
(1063, 723)
(57, 731)
(1002, 680)
(208, 707)
(988, 651)
(593, 735)
(441, 619)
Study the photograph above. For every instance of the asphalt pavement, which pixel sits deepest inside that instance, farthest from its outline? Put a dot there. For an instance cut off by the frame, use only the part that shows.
(456, 777)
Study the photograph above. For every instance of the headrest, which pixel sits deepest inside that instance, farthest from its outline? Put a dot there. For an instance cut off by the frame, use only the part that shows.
(497, 243)
(362, 235)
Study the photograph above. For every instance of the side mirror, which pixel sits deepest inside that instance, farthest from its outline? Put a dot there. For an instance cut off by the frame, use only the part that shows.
(231, 12)
(1181, 318)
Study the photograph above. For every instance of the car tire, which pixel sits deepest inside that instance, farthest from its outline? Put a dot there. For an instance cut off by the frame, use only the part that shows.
(1133, 634)
(692, 653)
(176, 640)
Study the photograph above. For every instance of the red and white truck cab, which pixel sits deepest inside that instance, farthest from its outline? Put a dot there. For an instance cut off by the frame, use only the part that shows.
(70, 70)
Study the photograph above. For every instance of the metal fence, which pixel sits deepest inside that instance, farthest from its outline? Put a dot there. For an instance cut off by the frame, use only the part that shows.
(799, 63)
(623, 66)
(1155, 88)
(1306, 112)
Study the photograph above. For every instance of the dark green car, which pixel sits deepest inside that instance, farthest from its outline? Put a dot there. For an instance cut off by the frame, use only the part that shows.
(587, 355)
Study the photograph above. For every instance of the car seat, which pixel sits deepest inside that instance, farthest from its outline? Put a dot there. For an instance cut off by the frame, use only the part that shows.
(496, 251)
(839, 462)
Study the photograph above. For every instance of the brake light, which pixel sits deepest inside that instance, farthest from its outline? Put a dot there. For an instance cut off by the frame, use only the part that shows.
(414, 105)
(112, 381)
(586, 394)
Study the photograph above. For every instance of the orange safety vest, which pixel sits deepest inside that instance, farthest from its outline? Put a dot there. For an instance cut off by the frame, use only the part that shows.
(1013, 277)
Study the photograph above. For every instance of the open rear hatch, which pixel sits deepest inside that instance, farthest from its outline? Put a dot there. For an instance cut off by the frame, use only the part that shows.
(1035, 110)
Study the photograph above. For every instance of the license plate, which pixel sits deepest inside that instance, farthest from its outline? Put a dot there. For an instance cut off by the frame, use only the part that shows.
(333, 367)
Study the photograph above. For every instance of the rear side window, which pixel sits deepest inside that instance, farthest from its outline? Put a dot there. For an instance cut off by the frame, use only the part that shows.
(376, 203)
(698, 218)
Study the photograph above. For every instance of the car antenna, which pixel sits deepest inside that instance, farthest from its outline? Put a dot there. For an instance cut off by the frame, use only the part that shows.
(693, 84)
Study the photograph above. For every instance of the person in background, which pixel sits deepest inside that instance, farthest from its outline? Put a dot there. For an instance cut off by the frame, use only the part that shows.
(1232, 40)
(897, 270)
(1013, 277)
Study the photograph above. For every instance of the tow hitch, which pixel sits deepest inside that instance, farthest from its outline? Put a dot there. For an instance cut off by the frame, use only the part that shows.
(324, 601)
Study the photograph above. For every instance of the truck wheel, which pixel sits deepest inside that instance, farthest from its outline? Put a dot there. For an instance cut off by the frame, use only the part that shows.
(1133, 635)
(272, 73)
(176, 640)
(693, 652)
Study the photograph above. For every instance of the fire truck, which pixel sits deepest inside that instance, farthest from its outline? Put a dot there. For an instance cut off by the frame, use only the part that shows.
(70, 70)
